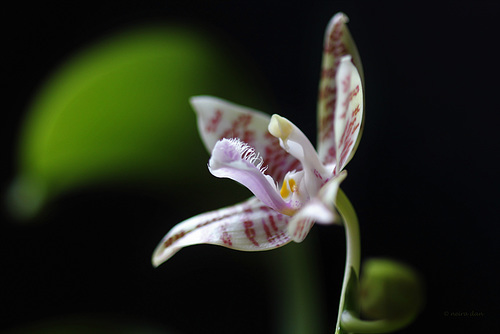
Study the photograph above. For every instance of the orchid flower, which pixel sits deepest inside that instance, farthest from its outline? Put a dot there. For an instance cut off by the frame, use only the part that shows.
(293, 185)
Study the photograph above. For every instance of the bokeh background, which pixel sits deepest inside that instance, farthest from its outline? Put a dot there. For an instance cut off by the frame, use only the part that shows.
(424, 180)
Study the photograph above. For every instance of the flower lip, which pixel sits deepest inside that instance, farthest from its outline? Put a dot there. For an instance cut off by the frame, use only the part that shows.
(232, 150)
(236, 160)
(223, 153)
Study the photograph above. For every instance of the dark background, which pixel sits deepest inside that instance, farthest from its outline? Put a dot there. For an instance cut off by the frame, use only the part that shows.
(424, 180)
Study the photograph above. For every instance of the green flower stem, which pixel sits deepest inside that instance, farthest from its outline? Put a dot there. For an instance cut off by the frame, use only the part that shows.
(353, 250)
(348, 320)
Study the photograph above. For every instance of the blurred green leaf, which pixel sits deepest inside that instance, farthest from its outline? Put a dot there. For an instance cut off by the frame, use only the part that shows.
(119, 112)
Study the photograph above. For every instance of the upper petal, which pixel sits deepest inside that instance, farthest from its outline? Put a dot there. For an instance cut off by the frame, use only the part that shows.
(248, 226)
(338, 43)
(349, 112)
(218, 119)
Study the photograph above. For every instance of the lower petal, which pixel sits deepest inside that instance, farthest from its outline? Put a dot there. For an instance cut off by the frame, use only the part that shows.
(300, 225)
(248, 226)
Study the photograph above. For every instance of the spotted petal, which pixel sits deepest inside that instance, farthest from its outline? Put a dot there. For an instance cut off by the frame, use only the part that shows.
(218, 119)
(348, 113)
(248, 226)
(337, 43)
(319, 209)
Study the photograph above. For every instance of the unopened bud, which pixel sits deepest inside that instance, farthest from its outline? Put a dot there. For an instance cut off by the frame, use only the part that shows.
(389, 290)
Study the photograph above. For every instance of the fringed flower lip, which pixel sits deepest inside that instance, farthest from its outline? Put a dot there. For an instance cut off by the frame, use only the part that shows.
(294, 185)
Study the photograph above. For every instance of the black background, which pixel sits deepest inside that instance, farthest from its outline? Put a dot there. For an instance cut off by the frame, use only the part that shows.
(424, 180)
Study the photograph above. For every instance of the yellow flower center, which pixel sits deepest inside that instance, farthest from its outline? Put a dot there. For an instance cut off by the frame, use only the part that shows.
(288, 187)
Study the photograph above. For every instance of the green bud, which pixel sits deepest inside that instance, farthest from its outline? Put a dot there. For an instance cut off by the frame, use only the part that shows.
(389, 290)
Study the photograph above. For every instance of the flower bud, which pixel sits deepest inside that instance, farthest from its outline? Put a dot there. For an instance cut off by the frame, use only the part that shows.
(389, 290)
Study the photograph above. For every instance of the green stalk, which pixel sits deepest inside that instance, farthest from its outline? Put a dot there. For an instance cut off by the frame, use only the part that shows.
(348, 320)
(353, 251)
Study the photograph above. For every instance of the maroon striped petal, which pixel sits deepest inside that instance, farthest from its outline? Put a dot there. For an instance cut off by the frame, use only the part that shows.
(337, 43)
(218, 119)
(248, 226)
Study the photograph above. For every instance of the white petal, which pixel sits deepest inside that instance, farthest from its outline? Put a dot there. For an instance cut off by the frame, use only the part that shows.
(218, 119)
(349, 112)
(337, 43)
(300, 225)
(248, 226)
(320, 209)
(327, 196)
(296, 143)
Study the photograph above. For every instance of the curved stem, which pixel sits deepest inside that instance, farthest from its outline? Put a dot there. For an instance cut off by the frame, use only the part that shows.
(353, 324)
(353, 248)
(348, 318)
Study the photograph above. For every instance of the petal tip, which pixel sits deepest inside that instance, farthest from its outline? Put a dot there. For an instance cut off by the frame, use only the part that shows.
(198, 101)
(280, 127)
(346, 59)
(161, 254)
(340, 17)
(157, 259)
(155, 263)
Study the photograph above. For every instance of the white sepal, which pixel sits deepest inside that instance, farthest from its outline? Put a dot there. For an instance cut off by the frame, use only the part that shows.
(338, 43)
(248, 226)
(218, 119)
(348, 112)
